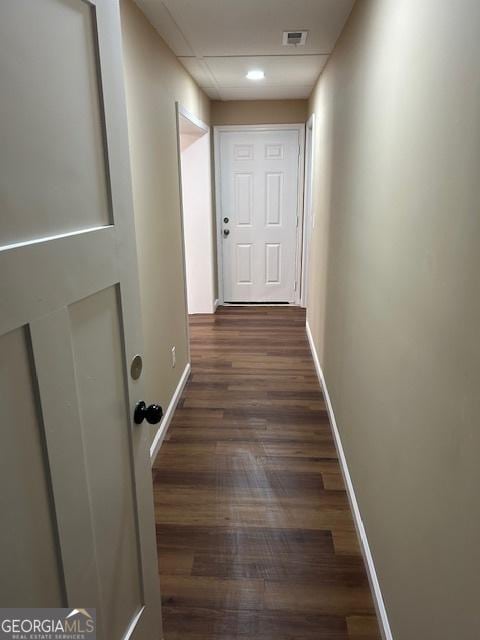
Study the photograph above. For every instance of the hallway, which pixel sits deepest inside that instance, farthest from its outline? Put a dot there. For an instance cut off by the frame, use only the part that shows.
(254, 531)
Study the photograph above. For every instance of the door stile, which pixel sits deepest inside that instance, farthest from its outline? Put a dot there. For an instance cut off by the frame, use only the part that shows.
(112, 83)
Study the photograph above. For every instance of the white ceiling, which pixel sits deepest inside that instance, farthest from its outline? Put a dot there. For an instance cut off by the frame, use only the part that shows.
(218, 41)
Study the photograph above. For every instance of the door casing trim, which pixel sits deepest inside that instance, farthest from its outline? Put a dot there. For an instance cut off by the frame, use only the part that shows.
(308, 214)
(300, 128)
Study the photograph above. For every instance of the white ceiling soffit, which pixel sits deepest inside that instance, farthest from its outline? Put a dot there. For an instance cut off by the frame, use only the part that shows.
(218, 41)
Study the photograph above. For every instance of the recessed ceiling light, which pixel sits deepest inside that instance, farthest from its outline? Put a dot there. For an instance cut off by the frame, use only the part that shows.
(256, 74)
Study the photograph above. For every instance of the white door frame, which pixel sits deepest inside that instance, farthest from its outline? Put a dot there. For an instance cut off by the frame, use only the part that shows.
(300, 127)
(308, 203)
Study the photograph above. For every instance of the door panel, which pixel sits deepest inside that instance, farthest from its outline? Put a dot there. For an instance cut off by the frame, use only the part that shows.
(30, 568)
(273, 264)
(243, 151)
(76, 466)
(244, 264)
(259, 172)
(274, 194)
(243, 199)
(49, 61)
(274, 151)
(103, 404)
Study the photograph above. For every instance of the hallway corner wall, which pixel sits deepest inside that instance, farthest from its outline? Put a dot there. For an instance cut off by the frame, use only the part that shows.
(154, 81)
(394, 297)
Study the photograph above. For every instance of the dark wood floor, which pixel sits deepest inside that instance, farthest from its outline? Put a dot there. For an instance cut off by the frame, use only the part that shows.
(255, 536)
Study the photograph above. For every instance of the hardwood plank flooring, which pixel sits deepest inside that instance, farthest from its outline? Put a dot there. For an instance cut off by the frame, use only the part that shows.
(255, 536)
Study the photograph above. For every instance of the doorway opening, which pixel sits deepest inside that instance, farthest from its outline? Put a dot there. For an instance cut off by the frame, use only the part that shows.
(194, 154)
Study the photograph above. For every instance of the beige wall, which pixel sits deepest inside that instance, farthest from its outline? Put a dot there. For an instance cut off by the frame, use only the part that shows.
(154, 81)
(259, 111)
(395, 297)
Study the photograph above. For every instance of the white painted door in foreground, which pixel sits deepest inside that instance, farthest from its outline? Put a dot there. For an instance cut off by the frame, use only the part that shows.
(259, 209)
(76, 499)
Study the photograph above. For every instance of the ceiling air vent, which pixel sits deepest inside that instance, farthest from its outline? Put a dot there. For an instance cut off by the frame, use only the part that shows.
(296, 38)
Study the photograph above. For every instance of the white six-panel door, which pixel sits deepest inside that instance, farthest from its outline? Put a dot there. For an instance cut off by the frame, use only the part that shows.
(76, 498)
(258, 173)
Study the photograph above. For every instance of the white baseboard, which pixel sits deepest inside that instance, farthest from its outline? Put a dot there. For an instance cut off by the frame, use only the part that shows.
(167, 418)
(215, 304)
(367, 555)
